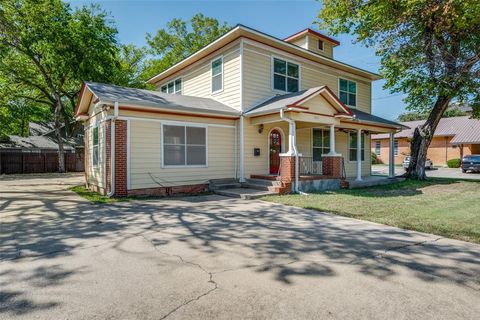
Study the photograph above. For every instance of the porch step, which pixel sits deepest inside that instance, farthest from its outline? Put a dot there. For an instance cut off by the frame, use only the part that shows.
(216, 184)
(264, 182)
(244, 193)
(264, 177)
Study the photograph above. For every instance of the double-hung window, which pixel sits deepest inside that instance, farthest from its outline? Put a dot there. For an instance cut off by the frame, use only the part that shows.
(353, 146)
(95, 147)
(184, 145)
(217, 75)
(173, 87)
(395, 147)
(321, 143)
(348, 92)
(378, 145)
(286, 76)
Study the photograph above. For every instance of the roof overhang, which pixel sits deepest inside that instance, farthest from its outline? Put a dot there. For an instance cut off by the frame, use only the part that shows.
(244, 32)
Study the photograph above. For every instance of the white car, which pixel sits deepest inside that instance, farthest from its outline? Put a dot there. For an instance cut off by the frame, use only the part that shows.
(428, 163)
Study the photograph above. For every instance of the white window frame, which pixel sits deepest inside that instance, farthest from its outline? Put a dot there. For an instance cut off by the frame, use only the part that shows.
(272, 61)
(363, 146)
(183, 124)
(323, 147)
(95, 127)
(211, 75)
(175, 91)
(356, 92)
(395, 147)
(379, 147)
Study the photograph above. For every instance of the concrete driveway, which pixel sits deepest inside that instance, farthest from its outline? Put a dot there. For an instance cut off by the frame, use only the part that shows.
(211, 257)
(437, 172)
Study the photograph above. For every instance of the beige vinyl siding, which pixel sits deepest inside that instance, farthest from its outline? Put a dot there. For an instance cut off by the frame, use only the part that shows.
(196, 79)
(146, 163)
(313, 46)
(301, 42)
(96, 175)
(258, 77)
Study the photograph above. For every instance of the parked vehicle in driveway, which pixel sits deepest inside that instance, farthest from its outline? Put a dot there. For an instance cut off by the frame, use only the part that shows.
(428, 163)
(471, 162)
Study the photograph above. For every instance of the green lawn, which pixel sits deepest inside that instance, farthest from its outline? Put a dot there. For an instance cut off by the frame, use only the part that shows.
(445, 207)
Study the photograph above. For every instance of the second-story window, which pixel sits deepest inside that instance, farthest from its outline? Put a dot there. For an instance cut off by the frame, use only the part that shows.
(348, 92)
(217, 75)
(173, 87)
(285, 76)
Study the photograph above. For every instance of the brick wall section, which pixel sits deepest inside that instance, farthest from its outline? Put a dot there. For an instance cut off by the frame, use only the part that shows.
(332, 166)
(287, 173)
(169, 191)
(120, 157)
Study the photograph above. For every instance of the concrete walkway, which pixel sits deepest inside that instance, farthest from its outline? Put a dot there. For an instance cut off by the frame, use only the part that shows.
(212, 257)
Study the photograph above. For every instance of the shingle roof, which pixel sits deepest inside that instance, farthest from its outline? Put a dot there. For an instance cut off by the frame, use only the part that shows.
(110, 93)
(464, 130)
(281, 101)
(32, 142)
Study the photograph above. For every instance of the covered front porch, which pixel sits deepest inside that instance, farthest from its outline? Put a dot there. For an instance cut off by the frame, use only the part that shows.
(314, 141)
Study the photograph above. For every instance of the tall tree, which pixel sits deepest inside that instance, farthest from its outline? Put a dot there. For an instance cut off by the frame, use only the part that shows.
(429, 49)
(180, 39)
(47, 49)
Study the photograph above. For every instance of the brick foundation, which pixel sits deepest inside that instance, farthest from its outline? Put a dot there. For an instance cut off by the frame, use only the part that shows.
(169, 191)
(120, 157)
(287, 173)
(332, 166)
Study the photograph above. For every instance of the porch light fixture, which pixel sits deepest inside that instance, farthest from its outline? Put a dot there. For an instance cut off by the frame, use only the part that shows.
(260, 128)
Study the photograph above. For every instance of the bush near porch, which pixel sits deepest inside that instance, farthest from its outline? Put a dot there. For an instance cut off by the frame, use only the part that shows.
(445, 207)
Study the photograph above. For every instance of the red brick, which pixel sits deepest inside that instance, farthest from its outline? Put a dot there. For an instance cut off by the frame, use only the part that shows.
(169, 191)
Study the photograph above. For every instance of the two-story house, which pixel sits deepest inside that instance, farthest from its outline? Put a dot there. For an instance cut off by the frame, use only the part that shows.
(247, 106)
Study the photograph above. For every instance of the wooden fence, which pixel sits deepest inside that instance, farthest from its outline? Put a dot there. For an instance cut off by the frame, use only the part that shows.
(37, 161)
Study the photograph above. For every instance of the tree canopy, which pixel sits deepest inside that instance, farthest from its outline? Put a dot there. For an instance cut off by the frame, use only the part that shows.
(429, 49)
(179, 40)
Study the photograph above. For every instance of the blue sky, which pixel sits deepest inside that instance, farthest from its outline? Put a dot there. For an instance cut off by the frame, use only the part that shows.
(278, 18)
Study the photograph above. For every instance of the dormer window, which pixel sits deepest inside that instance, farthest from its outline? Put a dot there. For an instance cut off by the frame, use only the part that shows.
(320, 45)
(285, 76)
(172, 87)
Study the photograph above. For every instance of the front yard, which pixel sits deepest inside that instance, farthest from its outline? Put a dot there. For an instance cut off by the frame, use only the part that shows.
(445, 207)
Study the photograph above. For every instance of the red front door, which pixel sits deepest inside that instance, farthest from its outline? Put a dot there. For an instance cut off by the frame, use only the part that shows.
(275, 149)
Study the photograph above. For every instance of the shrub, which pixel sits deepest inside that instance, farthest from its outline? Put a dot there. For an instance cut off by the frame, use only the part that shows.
(375, 159)
(453, 163)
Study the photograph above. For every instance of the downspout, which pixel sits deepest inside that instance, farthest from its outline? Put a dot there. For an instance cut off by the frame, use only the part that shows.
(112, 151)
(293, 145)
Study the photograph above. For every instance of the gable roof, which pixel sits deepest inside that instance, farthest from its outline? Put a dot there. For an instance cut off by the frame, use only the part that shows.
(463, 129)
(109, 94)
(295, 99)
(35, 142)
(241, 31)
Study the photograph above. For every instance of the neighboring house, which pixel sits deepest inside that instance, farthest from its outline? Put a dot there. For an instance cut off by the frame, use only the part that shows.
(38, 152)
(244, 106)
(453, 138)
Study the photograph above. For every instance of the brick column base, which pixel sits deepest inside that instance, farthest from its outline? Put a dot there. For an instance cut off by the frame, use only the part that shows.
(332, 166)
(120, 164)
(287, 173)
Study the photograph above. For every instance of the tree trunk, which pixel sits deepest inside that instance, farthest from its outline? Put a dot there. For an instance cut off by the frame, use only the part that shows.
(421, 140)
(58, 135)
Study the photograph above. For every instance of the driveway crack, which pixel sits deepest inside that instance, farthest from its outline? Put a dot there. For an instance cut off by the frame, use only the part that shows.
(197, 265)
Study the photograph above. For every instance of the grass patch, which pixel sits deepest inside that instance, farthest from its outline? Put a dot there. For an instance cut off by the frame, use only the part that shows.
(446, 207)
(95, 197)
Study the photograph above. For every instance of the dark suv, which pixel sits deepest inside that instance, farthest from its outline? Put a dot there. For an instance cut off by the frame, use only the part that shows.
(471, 162)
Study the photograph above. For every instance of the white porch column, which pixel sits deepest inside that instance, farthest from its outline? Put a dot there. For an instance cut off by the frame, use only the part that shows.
(332, 140)
(291, 137)
(242, 151)
(391, 156)
(359, 155)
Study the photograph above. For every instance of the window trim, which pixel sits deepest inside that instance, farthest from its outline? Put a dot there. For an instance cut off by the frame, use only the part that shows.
(379, 142)
(174, 86)
(183, 124)
(356, 92)
(313, 147)
(272, 74)
(363, 147)
(211, 75)
(97, 146)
